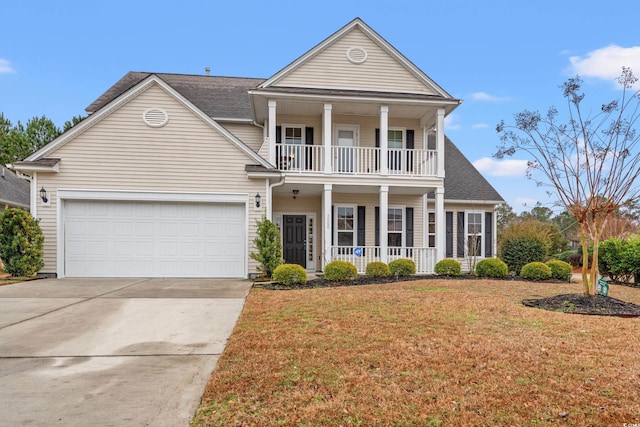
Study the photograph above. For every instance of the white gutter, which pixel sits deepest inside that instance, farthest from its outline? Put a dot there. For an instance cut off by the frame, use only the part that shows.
(270, 196)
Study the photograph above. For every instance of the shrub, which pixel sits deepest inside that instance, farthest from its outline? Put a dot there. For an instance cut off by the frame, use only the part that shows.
(631, 257)
(402, 267)
(492, 267)
(519, 251)
(21, 242)
(448, 267)
(269, 247)
(290, 274)
(535, 271)
(560, 270)
(611, 260)
(340, 270)
(563, 255)
(377, 269)
(575, 259)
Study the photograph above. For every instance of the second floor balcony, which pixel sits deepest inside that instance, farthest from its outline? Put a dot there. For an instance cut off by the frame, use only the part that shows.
(356, 160)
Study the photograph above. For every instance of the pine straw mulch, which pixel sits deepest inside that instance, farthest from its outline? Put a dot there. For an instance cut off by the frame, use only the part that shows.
(426, 352)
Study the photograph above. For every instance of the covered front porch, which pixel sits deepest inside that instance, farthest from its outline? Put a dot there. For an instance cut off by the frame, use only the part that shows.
(360, 224)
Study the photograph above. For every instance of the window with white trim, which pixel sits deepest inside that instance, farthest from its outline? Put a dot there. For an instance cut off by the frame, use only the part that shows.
(474, 233)
(293, 139)
(345, 225)
(395, 230)
(395, 144)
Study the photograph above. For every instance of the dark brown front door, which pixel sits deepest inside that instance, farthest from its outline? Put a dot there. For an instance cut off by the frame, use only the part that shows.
(295, 241)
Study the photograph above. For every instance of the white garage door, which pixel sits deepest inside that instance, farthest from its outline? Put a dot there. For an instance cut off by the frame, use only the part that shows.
(154, 239)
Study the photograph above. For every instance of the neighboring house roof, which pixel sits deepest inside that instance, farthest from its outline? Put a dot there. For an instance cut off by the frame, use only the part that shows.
(462, 180)
(14, 191)
(217, 97)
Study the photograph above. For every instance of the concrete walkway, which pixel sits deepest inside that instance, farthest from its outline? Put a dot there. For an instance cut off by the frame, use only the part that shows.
(111, 352)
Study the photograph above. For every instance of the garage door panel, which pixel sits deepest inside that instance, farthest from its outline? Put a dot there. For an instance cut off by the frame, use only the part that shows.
(154, 239)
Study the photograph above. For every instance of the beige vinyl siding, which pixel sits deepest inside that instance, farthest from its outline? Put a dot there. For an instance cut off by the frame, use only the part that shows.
(122, 153)
(330, 68)
(251, 135)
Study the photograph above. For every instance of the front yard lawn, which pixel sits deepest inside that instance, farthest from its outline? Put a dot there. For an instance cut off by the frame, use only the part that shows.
(425, 353)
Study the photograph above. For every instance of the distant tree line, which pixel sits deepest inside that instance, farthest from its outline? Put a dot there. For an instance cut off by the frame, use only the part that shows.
(20, 140)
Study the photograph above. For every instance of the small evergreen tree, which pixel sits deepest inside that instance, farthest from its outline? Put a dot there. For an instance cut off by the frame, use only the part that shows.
(268, 246)
(21, 242)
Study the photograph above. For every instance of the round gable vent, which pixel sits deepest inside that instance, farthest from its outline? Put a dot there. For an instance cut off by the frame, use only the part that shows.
(357, 55)
(155, 117)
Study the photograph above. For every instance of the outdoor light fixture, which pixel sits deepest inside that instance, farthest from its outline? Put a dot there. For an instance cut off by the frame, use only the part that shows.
(258, 198)
(295, 193)
(43, 195)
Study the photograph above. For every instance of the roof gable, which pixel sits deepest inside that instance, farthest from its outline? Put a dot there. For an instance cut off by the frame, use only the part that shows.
(331, 65)
(126, 96)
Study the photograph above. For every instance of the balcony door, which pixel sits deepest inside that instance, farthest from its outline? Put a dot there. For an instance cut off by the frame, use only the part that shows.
(345, 141)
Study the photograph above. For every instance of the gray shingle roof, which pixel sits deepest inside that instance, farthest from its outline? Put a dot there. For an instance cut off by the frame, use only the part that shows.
(227, 97)
(14, 191)
(218, 97)
(462, 180)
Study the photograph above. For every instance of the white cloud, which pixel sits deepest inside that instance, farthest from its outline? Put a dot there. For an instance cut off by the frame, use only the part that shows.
(606, 63)
(484, 96)
(451, 122)
(5, 67)
(509, 167)
(479, 126)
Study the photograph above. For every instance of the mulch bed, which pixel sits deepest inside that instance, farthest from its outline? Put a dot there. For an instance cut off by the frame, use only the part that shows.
(566, 303)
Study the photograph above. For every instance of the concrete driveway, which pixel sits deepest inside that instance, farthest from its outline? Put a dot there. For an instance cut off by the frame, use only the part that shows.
(111, 352)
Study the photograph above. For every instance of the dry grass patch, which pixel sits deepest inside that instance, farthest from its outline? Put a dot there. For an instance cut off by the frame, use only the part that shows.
(433, 352)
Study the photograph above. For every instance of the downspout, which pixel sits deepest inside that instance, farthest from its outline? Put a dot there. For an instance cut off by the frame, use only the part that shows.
(270, 197)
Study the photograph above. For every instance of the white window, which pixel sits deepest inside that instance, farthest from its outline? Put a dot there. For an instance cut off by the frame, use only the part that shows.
(474, 234)
(395, 143)
(431, 229)
(291, 151)
(345, 225)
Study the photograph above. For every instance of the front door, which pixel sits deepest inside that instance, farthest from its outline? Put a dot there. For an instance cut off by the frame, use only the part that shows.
(295, 239)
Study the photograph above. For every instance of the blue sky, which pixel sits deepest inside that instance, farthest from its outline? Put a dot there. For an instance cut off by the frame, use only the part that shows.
(499, 57)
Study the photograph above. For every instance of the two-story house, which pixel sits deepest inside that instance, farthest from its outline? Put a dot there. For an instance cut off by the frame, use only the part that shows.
(344, 149)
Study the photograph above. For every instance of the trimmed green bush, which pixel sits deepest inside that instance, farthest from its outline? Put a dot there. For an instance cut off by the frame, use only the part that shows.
(402, 267)
(21, 242)
(517, 252)
(377, 269)
(448, 267)
(289, 274)
(560, 270)
(494, 268)
(340, 270)
(535, 271)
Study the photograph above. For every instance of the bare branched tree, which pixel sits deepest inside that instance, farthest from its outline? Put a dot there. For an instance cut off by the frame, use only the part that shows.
(591, 160)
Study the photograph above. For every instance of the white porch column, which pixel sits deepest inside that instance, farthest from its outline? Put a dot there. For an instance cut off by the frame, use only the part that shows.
(326, 136)
(384, 221)
(326, 225)
(440, 142)
(440, 225)
(272, 132)
(384, 140)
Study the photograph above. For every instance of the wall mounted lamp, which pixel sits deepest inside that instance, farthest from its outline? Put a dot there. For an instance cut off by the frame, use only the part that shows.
(295, 193)
(43, 195)
(258, 199)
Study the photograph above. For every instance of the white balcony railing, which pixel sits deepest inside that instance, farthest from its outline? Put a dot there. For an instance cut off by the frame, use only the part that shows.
(356, 160)
(425, 258)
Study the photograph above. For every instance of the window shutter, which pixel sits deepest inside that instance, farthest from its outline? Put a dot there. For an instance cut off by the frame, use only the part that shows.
(308, 140)
(488, 234)
(409, 223)
(278, 134)
(377, 163)
(460, 249)
(377, 219)
(410, 146)
(361, 225)
(449, 235)
(333, 222)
